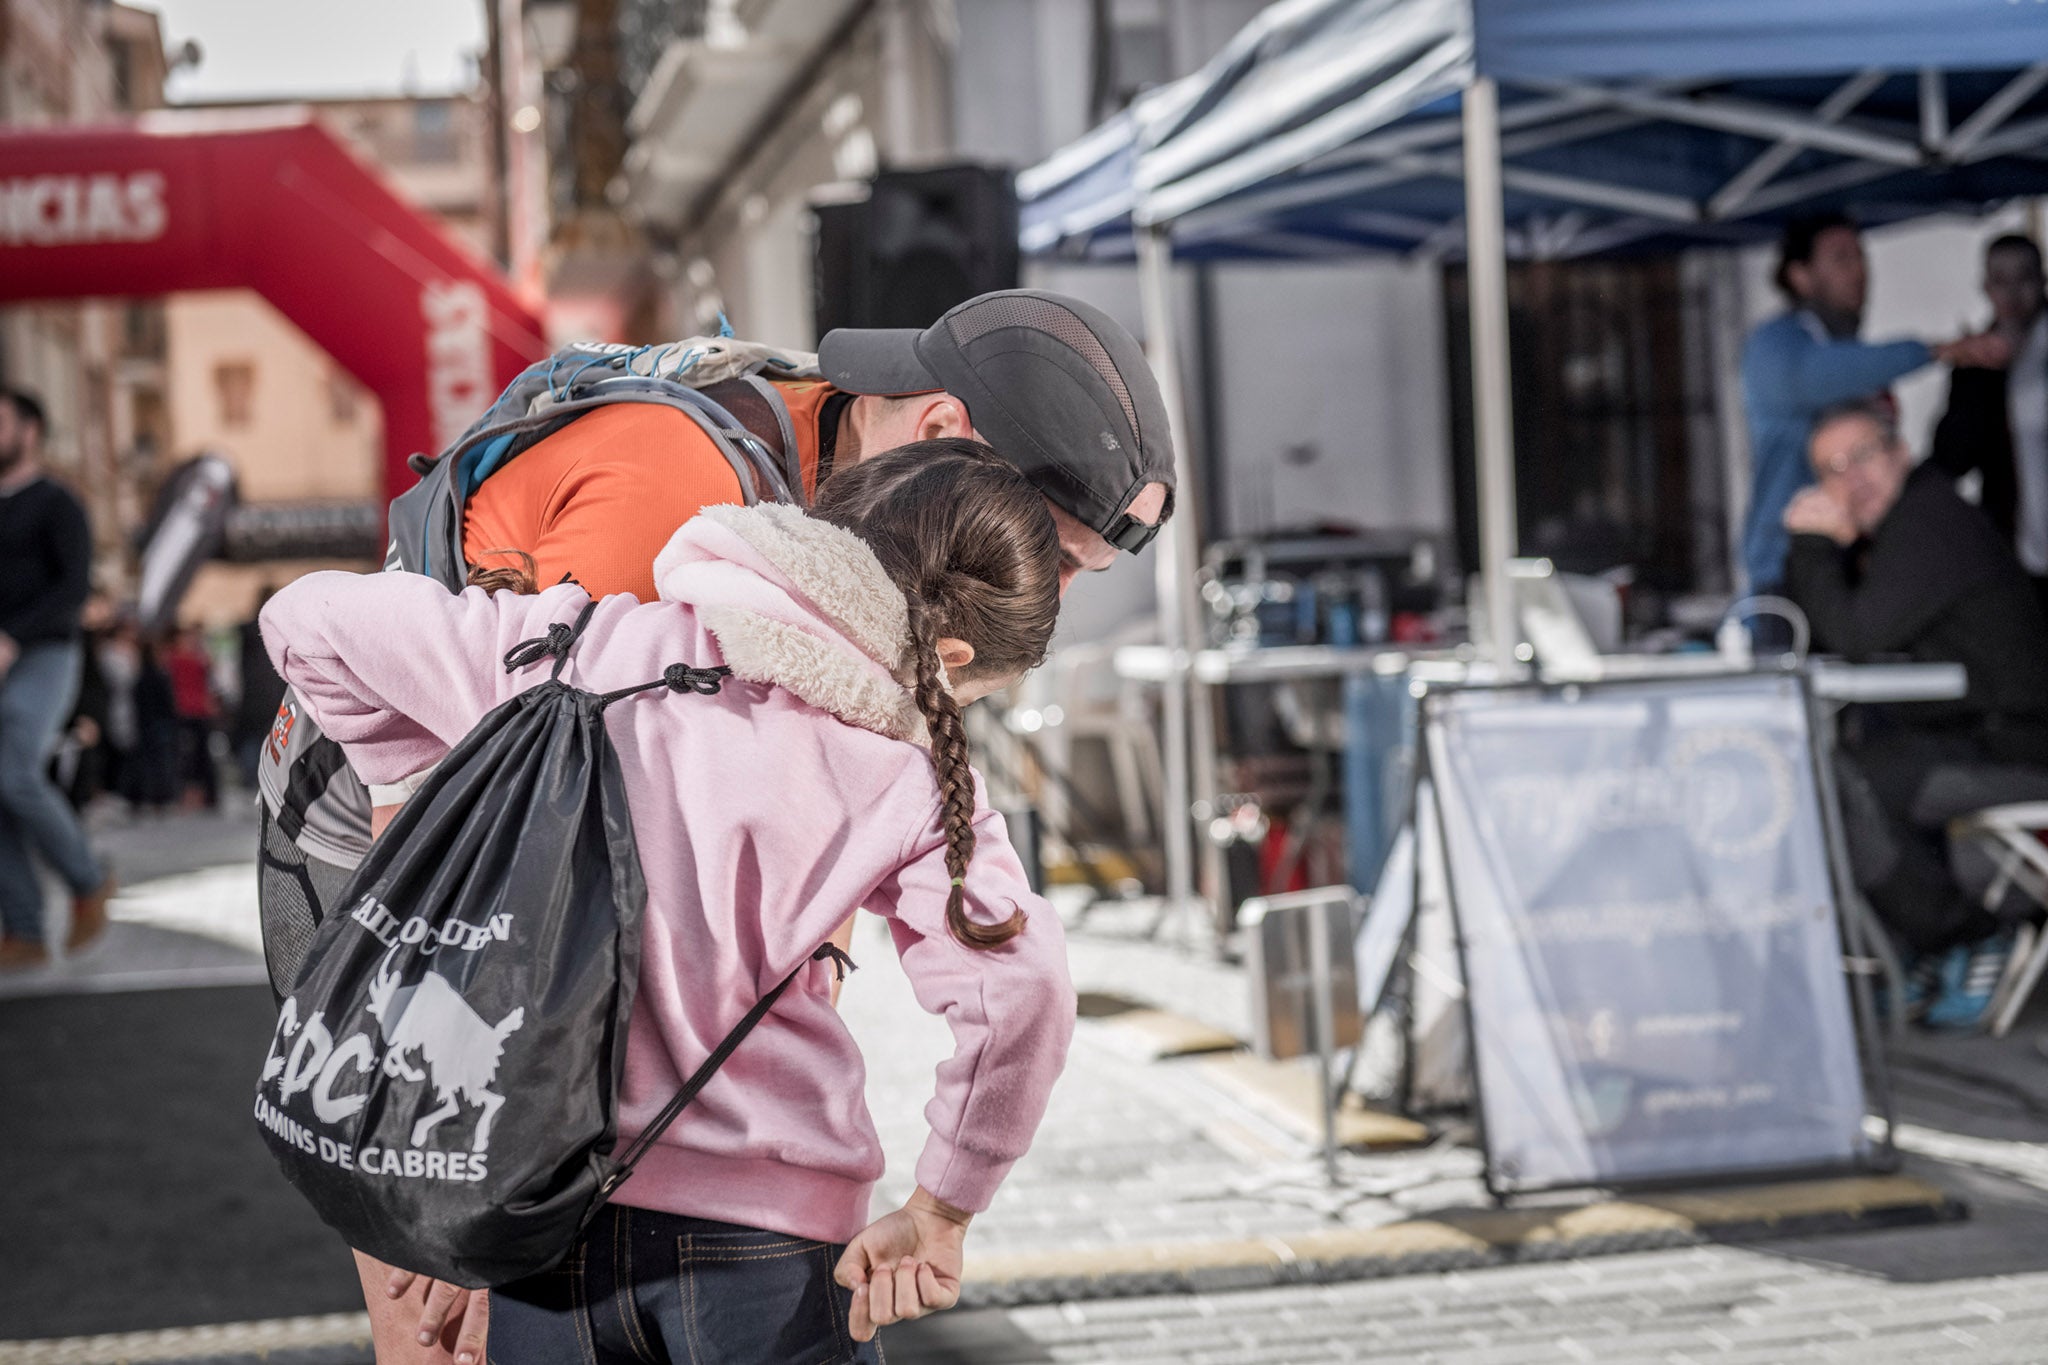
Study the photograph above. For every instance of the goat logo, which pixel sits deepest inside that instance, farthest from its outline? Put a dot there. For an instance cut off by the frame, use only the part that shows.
(460, 1051)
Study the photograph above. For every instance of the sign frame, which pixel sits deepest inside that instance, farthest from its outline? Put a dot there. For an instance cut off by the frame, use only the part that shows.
(1874, 1154)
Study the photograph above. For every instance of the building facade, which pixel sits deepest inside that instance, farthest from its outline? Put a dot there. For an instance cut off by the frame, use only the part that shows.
(246, 384)
(98, 366)
(683, 148)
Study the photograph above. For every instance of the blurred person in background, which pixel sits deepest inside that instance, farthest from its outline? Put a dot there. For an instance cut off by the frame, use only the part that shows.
(1808, 359)
(259, 693)
(190, 669)
(119, 652)
(90, 765)
(154, 774)
(1996, 424)
(45, 563)
(1887, 559)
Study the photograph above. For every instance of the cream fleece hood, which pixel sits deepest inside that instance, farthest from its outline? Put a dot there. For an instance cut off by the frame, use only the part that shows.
(802, 604)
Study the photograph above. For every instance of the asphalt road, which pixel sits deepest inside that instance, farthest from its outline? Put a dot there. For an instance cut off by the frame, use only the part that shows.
(137, 1193)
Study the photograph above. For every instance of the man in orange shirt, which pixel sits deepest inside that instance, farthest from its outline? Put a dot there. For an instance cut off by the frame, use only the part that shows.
(1056, 386)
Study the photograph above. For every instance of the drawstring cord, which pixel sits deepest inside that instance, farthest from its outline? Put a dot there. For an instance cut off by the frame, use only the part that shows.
(561, 638)
(556, 644)
(528, 652)
(841, 963)
(676, 678)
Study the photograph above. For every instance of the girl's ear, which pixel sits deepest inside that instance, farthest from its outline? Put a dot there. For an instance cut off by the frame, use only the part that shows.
(954, 654)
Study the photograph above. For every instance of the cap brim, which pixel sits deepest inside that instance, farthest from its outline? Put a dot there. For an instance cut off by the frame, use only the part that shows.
(875, 360)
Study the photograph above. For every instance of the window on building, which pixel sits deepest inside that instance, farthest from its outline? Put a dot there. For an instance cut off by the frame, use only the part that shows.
(150, 419)
(121, 58)
(1143, 60)
(1617, 434)
(341, 399)
(433, 131)
(234, 385)
(142, 331)
(1131, 52)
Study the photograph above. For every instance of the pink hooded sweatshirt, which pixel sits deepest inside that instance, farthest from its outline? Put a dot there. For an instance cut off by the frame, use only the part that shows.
(765, 815)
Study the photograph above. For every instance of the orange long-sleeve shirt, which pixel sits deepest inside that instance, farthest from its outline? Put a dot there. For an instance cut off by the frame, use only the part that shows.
(600, 498)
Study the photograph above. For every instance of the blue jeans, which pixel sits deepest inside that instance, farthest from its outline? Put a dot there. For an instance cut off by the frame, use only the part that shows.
(643, 1287)
(36, 697)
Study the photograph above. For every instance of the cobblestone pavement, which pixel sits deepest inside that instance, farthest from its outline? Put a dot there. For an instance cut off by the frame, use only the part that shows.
(1703, 1304)
(1131, 1150)
(1147, 1151)
(1142, 1151)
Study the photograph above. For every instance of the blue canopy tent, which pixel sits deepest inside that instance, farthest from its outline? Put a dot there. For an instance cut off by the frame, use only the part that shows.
(1337, 123)
(1538, 129)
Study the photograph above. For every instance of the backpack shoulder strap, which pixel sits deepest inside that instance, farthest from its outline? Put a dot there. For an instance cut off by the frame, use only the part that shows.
(627, 1160)
(770, 398)
(426, 520)
(762, 476)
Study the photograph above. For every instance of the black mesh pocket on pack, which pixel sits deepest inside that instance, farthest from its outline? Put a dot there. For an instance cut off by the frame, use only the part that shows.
(295, 892)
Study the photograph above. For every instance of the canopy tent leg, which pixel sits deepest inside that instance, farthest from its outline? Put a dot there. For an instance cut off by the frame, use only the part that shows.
(1189, 744)
(1492, 399)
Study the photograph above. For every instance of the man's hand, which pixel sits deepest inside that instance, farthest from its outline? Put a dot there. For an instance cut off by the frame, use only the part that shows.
(1815, 512)
(9, 652)
(905, 1264)
(1983, 351)
(457, 1320)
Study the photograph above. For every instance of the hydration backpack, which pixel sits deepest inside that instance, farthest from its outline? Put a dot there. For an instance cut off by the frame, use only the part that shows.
(315, 811)
(443, 1081)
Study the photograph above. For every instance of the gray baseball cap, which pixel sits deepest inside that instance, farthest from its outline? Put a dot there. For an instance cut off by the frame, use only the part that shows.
(1054, 384)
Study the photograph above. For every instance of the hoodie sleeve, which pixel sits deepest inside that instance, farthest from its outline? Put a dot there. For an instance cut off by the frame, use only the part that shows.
(1011, 1008)
(396, 668)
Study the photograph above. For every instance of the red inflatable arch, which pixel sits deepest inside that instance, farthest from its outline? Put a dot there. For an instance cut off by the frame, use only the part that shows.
(194, 201)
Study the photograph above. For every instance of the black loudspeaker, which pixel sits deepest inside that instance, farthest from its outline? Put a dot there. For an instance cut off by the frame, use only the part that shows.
(920, 242)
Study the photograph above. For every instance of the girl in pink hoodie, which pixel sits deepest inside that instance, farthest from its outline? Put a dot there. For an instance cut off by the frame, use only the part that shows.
(831, 773)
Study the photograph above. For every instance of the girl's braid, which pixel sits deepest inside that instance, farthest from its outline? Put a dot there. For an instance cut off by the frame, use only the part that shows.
(956, 779)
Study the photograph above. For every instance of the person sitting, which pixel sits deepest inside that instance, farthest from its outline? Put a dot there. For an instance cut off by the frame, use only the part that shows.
(1809, 358)
(1887, 560)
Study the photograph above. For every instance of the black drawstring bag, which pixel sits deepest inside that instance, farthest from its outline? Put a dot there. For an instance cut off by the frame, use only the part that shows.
(443, 1082)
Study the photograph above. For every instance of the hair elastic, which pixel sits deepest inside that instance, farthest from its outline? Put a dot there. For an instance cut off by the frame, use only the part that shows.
(960, 882)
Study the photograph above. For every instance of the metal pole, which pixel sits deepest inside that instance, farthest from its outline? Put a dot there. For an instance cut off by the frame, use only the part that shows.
(1863, 935)
(1492, 398)
(1325, 1028)
(1173, 569)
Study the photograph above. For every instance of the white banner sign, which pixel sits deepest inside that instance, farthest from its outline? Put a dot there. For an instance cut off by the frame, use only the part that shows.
(1649, 932)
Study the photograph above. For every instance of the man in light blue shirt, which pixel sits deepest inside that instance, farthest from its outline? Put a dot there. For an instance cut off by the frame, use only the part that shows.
(1807, 360)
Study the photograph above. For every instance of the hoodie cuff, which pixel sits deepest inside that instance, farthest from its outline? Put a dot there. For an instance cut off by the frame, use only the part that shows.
(964, 1179)
(398, 792)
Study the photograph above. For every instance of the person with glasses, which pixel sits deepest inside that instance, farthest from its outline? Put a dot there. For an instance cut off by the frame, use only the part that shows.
(1053, 384)
(1887, 560)
(1810, 358)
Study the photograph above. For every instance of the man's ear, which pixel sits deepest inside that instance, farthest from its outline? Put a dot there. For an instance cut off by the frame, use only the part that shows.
(1799, 276)
(942, 417)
